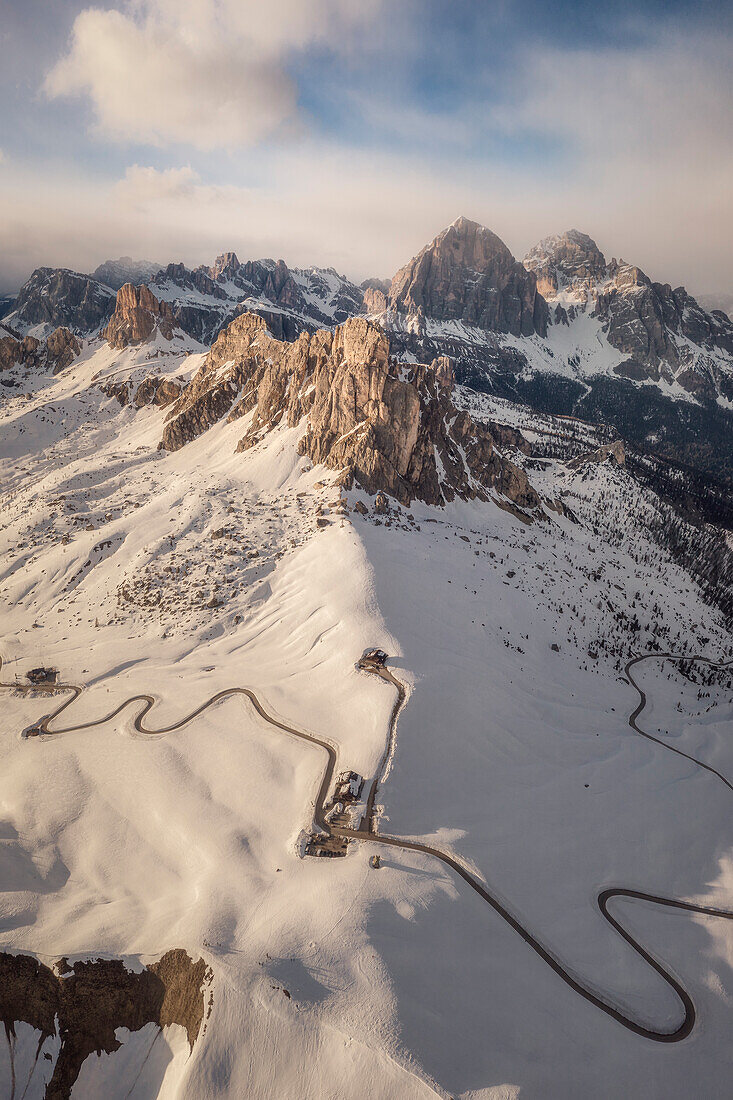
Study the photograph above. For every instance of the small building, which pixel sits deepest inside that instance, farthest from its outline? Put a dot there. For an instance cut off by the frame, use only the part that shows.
(349, 787)
(42, 676)
(373, 658)
(328, 846)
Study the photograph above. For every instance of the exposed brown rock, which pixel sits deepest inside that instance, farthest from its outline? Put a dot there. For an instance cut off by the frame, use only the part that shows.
(388, 427)
(467, 273)
(375, 300)
(137, 315)
(153, 390)
(25, 352)
(56, 352)
(86, 1002)
(444, 373)
(119, 390)
(156, 391)
(62, 348)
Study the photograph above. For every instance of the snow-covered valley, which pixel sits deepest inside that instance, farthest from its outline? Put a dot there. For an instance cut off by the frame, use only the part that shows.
(138, 571)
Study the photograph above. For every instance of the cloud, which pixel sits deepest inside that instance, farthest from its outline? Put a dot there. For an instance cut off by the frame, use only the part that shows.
(640, 156)
(142, 186)
(205, 73)
(670, 97)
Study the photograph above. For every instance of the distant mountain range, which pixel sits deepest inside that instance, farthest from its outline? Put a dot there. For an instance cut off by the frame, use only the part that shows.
(564, 330)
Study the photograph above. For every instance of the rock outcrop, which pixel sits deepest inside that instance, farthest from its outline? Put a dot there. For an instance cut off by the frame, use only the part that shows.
(468, 274)
(138, 315)
(663, 333)
(56, 298)
(62, 348)
(84, 1004)
(376, 293)
(153, 390)
(389, 427)
(115, 273)
(55, 353)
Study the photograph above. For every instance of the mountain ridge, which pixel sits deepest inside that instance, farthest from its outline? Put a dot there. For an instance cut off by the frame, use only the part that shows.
(602, 342)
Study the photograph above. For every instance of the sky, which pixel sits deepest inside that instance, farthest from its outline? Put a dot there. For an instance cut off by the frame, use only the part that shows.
(348, 133)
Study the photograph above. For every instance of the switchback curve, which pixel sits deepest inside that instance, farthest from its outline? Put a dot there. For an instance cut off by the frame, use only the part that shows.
(367, 834)
(642, 704)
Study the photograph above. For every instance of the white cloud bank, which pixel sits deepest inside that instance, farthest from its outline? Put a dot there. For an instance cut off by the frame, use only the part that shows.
(204, 73)
(649, 134)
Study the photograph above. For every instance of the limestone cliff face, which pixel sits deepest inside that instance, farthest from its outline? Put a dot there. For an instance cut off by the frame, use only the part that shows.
(389, 427)
(138, 314)
(468, 274)
(571, 258)
(664, 333)
(54, 298)
(55, 353)
(83, 1005)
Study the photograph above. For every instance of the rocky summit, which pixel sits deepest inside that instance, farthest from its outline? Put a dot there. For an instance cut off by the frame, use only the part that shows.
(663, 333)
(55, 297)
(138, 314)
(565, 331)
(388, 427)
(570, 259)
(115, 273)
(468, 274)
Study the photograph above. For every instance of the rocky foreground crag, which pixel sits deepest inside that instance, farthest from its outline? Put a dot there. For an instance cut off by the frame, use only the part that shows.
(86, 1003)
(56, 352)
(387, 426)
(137, 317)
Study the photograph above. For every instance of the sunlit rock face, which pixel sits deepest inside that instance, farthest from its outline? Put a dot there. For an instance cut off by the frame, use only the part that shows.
(468, 274)
(389, 427)
(137, 315)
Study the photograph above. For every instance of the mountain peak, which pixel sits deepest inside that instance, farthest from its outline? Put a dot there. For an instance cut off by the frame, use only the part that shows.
(115, 273)
(468, 274)
(138, 315)
(226, 264)
(462, 222)
(571, 257)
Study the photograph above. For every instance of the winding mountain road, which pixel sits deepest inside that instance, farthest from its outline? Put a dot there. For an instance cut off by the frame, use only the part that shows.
(642, 704)
(367, 830)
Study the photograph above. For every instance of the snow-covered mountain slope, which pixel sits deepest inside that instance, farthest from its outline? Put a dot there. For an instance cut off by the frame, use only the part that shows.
(613, 346)
(565, 331)
(661, 335)
(179, 574)
(206, 299)
(57, 298)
